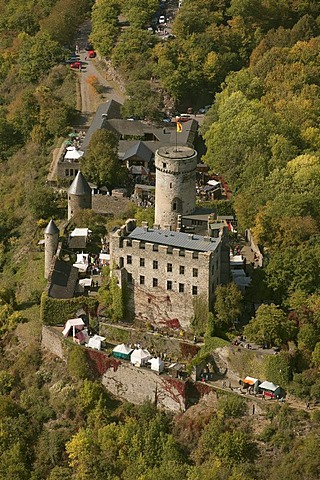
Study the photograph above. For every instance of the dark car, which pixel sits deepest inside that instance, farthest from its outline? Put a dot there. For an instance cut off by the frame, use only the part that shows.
(89, 47)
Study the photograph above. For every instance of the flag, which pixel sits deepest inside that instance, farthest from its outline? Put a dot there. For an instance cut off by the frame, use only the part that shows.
(179, 127)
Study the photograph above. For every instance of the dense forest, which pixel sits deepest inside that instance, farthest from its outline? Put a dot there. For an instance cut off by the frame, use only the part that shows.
(257, 62)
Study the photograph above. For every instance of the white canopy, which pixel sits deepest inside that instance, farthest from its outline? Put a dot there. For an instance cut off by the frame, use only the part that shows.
(140, 357)
(80, 232)
(214, 183)
(95, 342)
(82, 262)
(104, 258)
(269, 386)
(73, 154)
(122, 349)
(72, 323)
(85, 282)
(157, 364)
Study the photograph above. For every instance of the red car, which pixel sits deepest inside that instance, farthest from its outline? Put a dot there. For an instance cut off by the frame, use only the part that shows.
(75, 65)
(92, 54)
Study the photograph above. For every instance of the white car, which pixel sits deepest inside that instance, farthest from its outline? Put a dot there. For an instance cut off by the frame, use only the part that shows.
(162, 20)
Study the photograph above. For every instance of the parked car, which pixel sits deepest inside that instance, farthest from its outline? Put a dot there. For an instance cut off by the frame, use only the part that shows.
(92, 54)
(162, 20)
(76, 65)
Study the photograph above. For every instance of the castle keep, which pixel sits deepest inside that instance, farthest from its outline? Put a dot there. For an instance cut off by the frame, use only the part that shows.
(175, 184)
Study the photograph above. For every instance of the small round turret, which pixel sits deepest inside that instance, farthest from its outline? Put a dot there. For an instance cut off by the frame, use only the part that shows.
(51, 240)
(79, 195)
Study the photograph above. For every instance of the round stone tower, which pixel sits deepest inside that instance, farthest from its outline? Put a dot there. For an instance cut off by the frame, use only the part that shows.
(79, 195)
(51, 240)
(175, 184)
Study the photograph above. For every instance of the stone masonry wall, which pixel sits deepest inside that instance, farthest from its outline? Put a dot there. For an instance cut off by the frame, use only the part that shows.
(51, 340)
(137, 385)
(157, 304)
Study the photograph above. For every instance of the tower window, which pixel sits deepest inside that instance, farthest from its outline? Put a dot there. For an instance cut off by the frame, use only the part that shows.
(194, 272)
(174, 206)
(169, 285)
(169, 267)
(155, 248)
(155, 265)
(181, 287)
(141, 262)
(164, 165)
(194, 290)
(154, 282)
(195, 255)
(129, 259)
(181, 269)
(141, 279)
(170, 185)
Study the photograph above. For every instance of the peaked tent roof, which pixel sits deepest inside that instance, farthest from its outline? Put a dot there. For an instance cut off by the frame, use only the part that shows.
(79, 186)
(140, 150)
(269, 386)
(51, 228)
(73, 322)
(140, 355)
(122, 349)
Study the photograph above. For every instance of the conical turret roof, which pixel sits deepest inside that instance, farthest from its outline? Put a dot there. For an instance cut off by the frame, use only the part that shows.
(51, 228)
(79, 186)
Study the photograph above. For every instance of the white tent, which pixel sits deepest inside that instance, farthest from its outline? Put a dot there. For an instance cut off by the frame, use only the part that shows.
(80, 232)
(104, 258)
(140, 357)
(157, 364)
(73, 154)
(214, 183)
(85, 282)
(81, 262)
(95, 342)
(74, 323)
(122, 351)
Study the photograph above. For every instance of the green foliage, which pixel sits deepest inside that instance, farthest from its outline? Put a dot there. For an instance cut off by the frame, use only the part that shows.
(232, 406)
(37, 55)
(143, 102)
(57, 311)
(228, 305)
(270, 326)
(202, 315)
(277, 369)
(78, 366)
(101, 164)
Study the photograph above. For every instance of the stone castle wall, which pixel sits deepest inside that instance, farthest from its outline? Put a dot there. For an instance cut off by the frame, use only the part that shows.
(136, 385)
(122, 379)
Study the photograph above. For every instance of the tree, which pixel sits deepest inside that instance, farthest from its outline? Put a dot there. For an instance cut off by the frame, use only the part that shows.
(143, 102)
(228, 304)
(101, 164)
(270, 326)
(78, 366)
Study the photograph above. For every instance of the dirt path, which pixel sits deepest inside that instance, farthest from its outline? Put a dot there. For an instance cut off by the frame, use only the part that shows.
(92, 70)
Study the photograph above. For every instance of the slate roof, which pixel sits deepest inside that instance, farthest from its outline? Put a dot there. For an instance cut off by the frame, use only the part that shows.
(140, 150)
(175, 239)
(77, 242)
(110, 109)
(63, 280)
(51, 228)
(79, 186)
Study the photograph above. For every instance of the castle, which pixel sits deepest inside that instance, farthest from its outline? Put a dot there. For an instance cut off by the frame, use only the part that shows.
(168, 272)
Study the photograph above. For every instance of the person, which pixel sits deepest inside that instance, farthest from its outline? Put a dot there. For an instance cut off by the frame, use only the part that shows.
(308, 405)
(194, 339)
